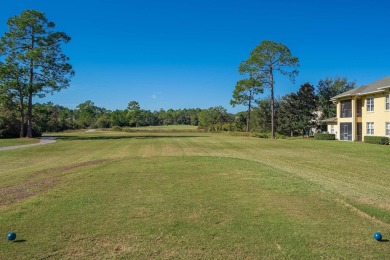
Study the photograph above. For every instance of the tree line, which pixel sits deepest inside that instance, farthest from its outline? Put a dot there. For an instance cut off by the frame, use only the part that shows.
(296, 113)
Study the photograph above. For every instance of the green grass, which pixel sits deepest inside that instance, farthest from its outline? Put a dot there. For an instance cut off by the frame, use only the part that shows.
(171, 127)
(194, 195)
(164, 128)
(17, 141)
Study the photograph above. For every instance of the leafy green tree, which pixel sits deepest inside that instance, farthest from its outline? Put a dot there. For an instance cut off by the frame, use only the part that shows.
(171, 117)
(288, 115)
(8, 117)
(245, 94)
(103, 119)
(266, 59)
(328, 88)
(14, 81)
(240, 121)
(86, 114)
(194, 116)
(261, 120)
(160, 115)
(36, 48)
(134, 113)
(214, 118)
(118, 118)
(297, 113)
(307, 108)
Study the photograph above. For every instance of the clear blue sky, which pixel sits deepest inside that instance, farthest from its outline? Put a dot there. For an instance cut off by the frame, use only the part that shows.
(185, 54)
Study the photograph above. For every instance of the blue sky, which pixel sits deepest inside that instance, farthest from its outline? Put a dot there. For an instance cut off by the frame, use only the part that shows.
(185, 54)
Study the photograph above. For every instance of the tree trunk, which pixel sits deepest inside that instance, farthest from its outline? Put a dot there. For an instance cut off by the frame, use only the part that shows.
(271, 81)
(29, 108)
(30, 89)
(29, 116)
(21, 117)
(248, 117)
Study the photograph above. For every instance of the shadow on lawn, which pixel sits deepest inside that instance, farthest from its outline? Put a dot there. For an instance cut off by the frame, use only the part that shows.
(19, 241)
(102, 137)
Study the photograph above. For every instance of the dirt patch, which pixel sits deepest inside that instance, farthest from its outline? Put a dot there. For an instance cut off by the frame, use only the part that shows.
(68, 167)
(38, 182)
(14, 194)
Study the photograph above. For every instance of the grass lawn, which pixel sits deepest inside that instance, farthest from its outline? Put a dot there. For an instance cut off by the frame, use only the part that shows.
(163, 129)
(17, 141)
(194, 195)
(166, 127)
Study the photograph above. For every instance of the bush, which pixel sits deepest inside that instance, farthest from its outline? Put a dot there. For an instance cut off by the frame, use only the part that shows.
(269, 135)
(116, 128)
(376, 140)
(322, 136)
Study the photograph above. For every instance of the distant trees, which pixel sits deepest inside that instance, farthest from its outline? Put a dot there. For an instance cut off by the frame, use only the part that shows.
(133, 113)
(49, 117)
(86, 114)
(245, 94)
(261, 119)
(215, 119)
(266, 59)
(297, 111)
(328, 88)
(288, 114)
(33, 60)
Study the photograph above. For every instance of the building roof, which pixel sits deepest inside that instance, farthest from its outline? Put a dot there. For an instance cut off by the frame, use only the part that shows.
(377, 86)
(330, 120)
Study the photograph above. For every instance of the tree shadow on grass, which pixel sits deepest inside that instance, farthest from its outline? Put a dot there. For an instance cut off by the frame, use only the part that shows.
(103, 137)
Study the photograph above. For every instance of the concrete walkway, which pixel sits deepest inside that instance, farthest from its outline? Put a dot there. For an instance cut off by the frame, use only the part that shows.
(44, 140)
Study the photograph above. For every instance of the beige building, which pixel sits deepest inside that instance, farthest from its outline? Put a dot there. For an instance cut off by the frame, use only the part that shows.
(362, 111)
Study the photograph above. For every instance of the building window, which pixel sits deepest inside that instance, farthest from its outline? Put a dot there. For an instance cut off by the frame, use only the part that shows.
(387, 128)
(332, 129)
(346, 108)
(370, 104)
(370, 128)
(387, 103)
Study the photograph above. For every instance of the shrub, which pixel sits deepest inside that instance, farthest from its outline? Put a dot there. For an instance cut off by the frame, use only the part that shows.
(116, 128)
(376, 140)
(263, 135)
(323, 136)
(269, 135)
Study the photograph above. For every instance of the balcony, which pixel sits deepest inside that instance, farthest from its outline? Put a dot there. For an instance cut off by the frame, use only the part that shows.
(346, 113)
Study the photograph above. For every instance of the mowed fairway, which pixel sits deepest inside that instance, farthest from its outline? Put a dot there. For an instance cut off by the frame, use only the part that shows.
(194, 195)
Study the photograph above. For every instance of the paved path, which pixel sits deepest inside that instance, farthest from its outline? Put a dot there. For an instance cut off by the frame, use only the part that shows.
(44, 140)
(90, 131)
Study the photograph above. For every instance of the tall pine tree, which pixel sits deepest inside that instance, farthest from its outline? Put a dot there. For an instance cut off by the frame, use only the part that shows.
(32, 44)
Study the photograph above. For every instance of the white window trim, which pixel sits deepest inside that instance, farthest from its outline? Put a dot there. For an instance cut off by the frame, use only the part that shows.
(370, 130)
(387, 102)
(386, 125)
(373, 105)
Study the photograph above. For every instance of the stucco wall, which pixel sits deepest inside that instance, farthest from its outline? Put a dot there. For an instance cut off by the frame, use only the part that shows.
(379, 116)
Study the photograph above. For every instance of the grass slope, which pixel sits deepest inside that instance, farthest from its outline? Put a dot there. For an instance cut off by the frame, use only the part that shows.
(194, 196)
